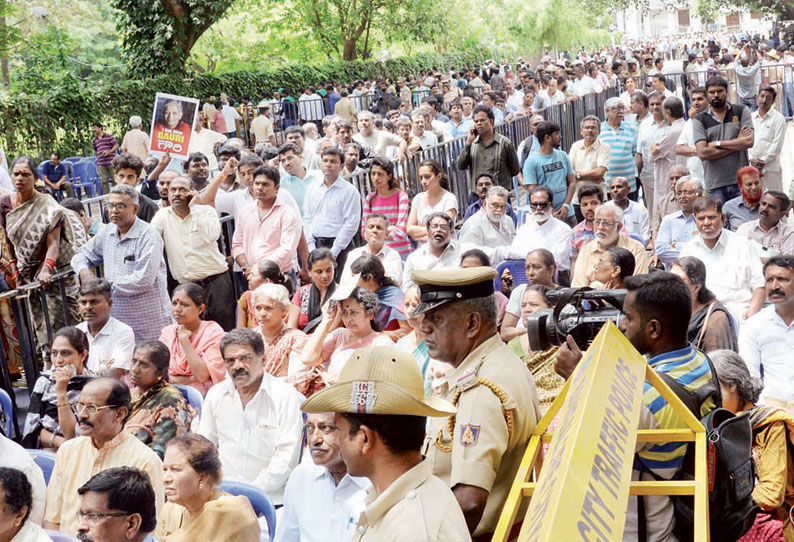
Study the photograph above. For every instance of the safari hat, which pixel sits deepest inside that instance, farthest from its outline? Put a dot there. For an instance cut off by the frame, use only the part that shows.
(346, 287)
(440, 286)
(379, 380)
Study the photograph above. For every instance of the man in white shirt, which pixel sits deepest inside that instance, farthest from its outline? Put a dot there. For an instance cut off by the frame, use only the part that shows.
(426, 137)
(439, 252)
(190, 234)
(542, 230)
(310, 106)
(110, 341)
(685, 146)
(332, 210)
(376, 230)
(515, 98)
(253, 417)
(490, 227)
(733, 263)
(635, 215)
(206, 141)
(584, 84)
(231, 116)
(651, 131)
(770, 133)
(377, 140)
(322, 502)
(766, 339)
(14, 456)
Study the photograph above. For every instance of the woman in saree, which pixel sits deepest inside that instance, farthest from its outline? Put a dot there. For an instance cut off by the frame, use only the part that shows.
(389, 316)
(772, 444)
(197, 508)
(43, 237)
(159, 411)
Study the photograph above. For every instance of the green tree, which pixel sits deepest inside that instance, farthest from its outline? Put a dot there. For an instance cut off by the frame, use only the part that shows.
(158, 35)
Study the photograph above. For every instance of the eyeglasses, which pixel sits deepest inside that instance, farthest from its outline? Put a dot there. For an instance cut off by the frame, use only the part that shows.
(442, 227)
(91, 409)
(685, 192)
(92, 518)
(602, 222)
(539, 204)
(116, 206)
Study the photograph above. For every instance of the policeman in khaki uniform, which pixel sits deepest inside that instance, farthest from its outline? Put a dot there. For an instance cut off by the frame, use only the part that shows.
(381, 413)
(477, 451)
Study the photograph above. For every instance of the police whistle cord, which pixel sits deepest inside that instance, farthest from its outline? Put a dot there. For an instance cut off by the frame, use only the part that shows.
(508, 413)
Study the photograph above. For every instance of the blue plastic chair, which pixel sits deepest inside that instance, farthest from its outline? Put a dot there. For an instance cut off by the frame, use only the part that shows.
(73, 159)
(84, 177)
(45, 459)
(58, 536)
(192, 395)
(7, 406)
(519, 270)
(259, 500)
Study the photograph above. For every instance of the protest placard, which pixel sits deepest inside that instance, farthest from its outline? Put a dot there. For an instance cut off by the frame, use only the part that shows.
(173, 118)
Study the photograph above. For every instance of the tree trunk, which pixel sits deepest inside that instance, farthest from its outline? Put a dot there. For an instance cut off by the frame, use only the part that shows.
(349, 49)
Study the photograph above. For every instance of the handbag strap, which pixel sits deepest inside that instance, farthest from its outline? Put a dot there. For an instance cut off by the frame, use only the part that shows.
(705, 323)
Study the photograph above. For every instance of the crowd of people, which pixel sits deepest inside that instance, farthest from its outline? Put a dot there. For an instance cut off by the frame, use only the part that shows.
(359, 358)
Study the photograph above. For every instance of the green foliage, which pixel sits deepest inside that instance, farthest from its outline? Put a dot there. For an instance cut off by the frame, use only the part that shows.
(60, 118)
(158, 35)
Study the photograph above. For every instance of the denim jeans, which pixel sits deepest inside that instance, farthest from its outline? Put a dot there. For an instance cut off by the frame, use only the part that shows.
(750, 102)
(788, 99)
(726, 193)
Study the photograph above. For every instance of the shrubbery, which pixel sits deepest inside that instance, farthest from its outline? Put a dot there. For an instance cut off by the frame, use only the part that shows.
(61, 119)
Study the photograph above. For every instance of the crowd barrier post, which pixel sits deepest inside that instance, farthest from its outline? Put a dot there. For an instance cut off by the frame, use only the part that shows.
(581, 491)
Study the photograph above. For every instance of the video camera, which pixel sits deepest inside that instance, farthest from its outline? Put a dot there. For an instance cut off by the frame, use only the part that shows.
(589, 310)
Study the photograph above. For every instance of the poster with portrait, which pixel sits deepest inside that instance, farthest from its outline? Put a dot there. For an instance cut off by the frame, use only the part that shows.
(172, 125)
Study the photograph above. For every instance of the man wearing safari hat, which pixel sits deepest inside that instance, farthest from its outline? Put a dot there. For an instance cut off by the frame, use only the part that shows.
(380, 412)
(478, 450)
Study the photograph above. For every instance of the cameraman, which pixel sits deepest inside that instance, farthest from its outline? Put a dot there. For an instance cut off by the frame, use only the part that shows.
(655, 319)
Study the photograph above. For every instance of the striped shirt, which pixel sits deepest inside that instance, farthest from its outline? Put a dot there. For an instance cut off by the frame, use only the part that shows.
(397, 207)
(690, 368)
(102, 144)
(623, 146)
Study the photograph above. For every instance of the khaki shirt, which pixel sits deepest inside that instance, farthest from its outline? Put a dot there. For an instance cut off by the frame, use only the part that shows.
(484, 454)
(416, 507)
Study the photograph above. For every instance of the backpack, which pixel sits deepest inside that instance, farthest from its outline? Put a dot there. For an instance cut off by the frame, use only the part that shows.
(731, 471)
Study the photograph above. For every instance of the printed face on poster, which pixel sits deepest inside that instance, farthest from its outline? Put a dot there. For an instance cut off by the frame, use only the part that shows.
(172, 125)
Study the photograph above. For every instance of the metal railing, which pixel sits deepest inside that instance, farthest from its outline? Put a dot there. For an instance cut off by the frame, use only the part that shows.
(567, 115)
(774, 75)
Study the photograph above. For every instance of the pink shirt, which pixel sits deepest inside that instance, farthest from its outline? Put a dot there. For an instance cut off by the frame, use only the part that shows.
(207, 343)
(274, 236)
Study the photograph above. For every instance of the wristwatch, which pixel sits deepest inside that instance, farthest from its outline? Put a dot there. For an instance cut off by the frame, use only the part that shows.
(578, 176)
(718, 144)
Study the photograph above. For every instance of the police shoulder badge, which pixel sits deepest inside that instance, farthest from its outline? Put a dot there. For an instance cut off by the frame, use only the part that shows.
(469, 434)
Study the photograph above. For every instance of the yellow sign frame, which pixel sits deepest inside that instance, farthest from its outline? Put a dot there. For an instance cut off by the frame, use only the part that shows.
(566, 491)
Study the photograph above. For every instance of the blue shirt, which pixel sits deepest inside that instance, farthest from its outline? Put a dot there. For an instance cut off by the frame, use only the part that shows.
(53, 173)
(461, 129)
(551, 171)
(675, 228)
(623, 147)
(331, 212)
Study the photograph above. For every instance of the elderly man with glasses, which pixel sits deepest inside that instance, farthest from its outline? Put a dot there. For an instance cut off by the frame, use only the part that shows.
(677, 228)
(101, 412)
(608, 222)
